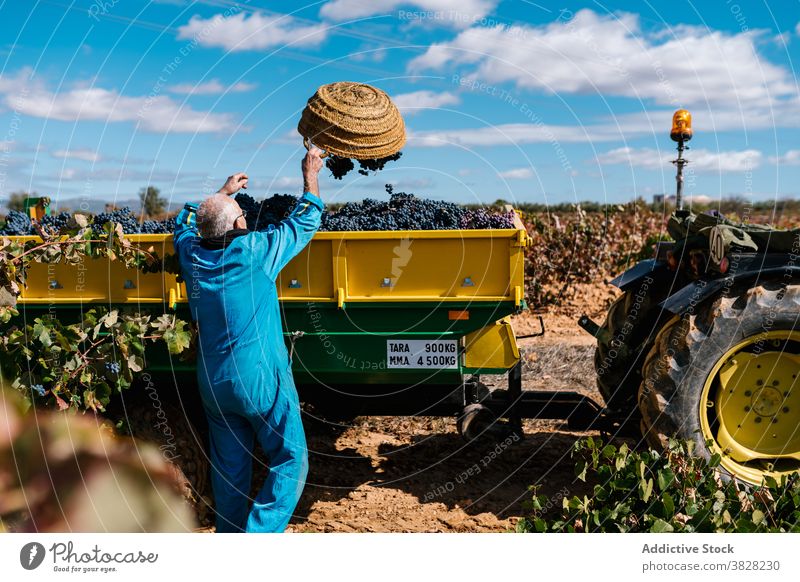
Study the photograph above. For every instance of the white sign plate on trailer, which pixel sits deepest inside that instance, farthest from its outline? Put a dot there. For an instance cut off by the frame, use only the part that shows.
(439, 354)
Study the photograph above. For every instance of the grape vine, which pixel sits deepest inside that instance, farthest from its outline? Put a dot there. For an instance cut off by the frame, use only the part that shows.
(77, 365)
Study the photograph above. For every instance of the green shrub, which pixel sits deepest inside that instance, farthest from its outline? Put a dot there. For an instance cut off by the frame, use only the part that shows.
(673, 491)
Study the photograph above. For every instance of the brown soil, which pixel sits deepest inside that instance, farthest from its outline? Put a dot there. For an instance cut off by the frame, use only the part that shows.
(416, 474)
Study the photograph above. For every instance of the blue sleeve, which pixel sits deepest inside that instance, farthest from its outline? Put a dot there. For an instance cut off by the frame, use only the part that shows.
(185, 227)
(279, 245)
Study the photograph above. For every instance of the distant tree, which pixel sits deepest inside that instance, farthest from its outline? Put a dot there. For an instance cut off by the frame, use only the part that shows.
(152, 202)
(16, 200)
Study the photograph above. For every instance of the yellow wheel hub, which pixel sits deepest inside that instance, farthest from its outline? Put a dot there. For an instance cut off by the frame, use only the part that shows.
(750, 407)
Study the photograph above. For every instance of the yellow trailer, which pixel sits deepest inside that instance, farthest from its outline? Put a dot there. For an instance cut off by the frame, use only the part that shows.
(382, 322)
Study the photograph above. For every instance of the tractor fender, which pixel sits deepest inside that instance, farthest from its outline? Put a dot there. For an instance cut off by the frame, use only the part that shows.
(756, 269)
(642, 269)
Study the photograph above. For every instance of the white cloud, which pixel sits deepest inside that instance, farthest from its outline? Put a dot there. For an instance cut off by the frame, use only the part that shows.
(16, 83)
(258, 31)
(790, 158)
(212, 87)
(458, 13)
(156, 113)
(271, 184)
(614, 55)
(517, 174)
(121, 174)
(700, 159)
(411, 103)
(371, 54)
(287, 182)
(86, 155)
(521, 133)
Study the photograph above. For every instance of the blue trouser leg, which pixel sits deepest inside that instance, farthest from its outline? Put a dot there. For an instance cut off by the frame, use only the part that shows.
(231, 437)
(281, 435)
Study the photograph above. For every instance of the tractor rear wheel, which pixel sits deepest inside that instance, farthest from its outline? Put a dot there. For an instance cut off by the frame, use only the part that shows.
(626, 336)
(726, 378)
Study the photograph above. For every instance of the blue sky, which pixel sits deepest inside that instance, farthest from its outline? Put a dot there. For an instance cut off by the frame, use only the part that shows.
(525, 101)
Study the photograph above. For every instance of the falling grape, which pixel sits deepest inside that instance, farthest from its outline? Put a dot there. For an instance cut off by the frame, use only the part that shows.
(340, 167)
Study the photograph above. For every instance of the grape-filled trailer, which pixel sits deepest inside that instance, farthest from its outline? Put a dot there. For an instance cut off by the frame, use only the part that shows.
(377, 322)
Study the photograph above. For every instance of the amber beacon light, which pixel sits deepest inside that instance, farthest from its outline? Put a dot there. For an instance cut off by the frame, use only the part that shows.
(681, 126)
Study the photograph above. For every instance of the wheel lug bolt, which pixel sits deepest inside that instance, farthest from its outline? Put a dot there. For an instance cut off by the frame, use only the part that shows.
(748, 393)
(774, 420)
(775, 382)
(758, 419)
(786, 409)
(759, 382)
(747, 409)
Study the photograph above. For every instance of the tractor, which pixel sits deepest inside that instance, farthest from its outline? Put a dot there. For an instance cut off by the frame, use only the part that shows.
(703, 344)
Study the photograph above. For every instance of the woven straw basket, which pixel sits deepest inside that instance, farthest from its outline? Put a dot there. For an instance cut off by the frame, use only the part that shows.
(353, 120)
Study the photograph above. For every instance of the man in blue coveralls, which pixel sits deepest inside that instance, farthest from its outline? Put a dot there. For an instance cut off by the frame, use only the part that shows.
(243, 369)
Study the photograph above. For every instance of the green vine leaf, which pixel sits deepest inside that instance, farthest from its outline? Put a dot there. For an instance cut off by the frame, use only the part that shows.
(178, 338)
(79, 364)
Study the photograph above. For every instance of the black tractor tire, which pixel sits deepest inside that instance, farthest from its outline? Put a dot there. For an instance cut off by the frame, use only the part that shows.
(687, 349)
(626, 336)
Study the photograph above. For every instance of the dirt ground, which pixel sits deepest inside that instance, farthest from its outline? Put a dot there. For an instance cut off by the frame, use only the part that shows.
(416, 474)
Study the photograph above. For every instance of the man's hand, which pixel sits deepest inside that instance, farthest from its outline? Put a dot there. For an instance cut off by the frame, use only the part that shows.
(311, 166)
(233, 184)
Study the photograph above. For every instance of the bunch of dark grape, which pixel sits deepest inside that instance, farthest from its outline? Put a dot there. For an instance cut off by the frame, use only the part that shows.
(56, 223)
(481, 218)
(340, 167)
(157, 226)
(113, 368)
(123, 216)
(368, 166)
(17, 224)
(405, 211)
(269, 212)
(402, 212)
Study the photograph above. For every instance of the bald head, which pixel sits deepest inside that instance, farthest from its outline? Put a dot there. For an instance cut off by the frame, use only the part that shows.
(216, 215)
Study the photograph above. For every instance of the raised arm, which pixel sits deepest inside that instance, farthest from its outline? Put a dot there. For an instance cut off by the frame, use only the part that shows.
(281, 244)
